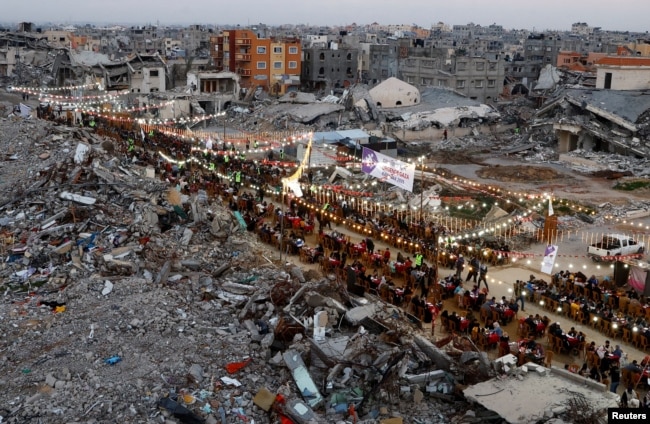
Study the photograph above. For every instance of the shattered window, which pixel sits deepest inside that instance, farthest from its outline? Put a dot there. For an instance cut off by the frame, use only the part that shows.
(480, 66)
(492, 83)
(460, 84)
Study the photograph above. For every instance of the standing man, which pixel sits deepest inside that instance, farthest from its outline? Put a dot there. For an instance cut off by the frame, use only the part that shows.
(519, 294)
(473, 269)
(460, 264)
(418, 260)
(482, 275)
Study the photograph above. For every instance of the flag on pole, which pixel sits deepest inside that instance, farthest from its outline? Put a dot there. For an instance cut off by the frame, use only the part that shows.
(550, 206)
(142, 132)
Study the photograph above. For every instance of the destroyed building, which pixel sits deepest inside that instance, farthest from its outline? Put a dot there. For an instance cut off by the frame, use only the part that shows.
(600, 120)
(137, 73)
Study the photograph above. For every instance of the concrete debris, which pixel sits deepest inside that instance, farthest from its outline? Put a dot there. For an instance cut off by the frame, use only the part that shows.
(175, 294)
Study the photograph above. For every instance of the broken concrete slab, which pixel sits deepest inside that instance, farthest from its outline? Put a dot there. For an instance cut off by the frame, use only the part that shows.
(426, 377)
(358, 314)
(522, 400)
(77, 198)
(438, 356)
(301, 376)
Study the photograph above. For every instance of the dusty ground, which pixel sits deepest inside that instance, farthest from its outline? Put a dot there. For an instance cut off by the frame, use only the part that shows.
(515, 175)
(519, 173)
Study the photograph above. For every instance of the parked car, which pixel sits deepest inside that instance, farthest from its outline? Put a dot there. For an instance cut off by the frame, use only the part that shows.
(614, 245)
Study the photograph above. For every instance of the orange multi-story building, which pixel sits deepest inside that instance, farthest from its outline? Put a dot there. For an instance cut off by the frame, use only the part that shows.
(272, 64)
(580, 62)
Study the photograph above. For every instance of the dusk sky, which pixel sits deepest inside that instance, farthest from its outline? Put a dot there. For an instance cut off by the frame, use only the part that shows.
(621, 15)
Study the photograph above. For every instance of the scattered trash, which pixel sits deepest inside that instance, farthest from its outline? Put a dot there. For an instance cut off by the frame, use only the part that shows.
(180, 412)
(113, 360)
(233, 367)
(108, 287)
(230, 381)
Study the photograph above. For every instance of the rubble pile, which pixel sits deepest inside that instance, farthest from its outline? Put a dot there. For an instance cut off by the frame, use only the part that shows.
(127, 301)
(617, 164)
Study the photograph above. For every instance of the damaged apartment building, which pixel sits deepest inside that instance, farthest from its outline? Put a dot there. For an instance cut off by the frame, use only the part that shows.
(614, 117)
(137, 73)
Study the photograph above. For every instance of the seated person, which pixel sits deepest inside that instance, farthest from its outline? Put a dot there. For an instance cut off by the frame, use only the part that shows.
(489, 324)
(514, 306)
(400, 258)
(317, 253)
(497, 329)
(470, 316)
(358, 266)
(531, 344)
(473, 324)
(261, 208)
(633, 367)
(572, 332)
(629, 398)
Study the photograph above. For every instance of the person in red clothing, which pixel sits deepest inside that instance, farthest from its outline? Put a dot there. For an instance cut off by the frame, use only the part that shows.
(386, 255)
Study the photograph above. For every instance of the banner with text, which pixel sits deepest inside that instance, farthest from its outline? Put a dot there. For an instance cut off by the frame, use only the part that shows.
(387, 169)
(550, 253)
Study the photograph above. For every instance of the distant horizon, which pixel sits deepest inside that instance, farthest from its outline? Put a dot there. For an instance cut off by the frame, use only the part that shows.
(550, 15)
(40, 24)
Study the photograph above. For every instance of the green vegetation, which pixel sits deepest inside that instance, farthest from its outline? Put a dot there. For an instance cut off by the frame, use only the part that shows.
(632, 185)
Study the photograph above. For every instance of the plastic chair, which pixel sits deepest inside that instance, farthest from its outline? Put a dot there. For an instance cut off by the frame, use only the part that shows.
(627, 335)
(484, 315)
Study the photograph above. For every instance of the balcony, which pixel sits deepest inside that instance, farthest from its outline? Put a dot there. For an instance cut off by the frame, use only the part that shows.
(242, 41)
(243, 72)
(241, 57)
